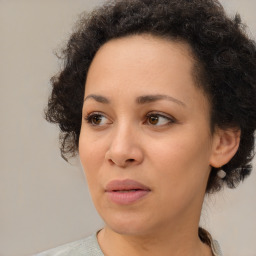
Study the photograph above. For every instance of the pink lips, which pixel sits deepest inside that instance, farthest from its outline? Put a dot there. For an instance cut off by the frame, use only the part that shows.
(126, 191)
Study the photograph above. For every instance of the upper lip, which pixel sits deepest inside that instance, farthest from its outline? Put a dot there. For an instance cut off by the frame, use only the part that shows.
(116, 185)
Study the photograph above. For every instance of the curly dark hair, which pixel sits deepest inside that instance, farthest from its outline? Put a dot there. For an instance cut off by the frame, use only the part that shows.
(225, 60)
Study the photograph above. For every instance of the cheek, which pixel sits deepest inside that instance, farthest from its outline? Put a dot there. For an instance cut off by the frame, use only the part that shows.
(91, 152)
(91, 158)
(181, 172)
(183, 159)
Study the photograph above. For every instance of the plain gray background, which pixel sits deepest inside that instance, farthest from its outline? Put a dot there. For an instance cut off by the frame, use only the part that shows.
(44, 202)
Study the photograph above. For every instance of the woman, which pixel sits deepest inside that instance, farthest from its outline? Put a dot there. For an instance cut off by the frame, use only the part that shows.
(158, 98)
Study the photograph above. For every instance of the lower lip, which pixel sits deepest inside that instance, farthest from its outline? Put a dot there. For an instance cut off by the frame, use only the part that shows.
(127, 197)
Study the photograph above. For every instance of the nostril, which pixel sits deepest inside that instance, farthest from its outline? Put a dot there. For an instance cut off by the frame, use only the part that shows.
(111, 161)
(121, 163)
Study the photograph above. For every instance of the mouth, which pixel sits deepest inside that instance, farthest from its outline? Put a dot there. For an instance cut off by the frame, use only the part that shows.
(126, 192)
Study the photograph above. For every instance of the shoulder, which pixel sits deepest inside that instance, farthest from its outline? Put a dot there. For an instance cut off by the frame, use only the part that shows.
(86, 247)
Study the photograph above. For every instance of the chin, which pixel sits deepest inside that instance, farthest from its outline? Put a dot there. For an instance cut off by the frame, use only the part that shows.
(127, 224)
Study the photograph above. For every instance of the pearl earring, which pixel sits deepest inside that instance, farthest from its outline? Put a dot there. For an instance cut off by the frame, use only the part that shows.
(221, 174)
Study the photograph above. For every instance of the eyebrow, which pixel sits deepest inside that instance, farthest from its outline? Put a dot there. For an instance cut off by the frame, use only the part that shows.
(98, 98)
(157, 97)
(139, 100)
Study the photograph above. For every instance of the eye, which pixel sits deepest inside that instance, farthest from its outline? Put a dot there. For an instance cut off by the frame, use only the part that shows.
(97, 119)
(157, 119)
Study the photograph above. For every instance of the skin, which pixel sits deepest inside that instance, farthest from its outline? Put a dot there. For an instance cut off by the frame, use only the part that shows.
(164, 143)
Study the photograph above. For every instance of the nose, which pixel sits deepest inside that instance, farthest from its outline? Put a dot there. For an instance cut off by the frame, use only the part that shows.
(125, 148)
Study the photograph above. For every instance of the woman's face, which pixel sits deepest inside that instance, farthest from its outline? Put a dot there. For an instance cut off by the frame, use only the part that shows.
(145, 121)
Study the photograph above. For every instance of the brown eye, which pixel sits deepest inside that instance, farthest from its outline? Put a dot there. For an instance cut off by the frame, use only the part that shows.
(159, 119)
(96, 119)
(153, 119)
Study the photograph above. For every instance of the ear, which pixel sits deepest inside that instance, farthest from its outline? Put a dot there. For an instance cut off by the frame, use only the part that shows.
(224, 147)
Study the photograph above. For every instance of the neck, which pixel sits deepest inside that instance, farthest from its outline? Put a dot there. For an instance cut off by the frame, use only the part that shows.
(179, 241)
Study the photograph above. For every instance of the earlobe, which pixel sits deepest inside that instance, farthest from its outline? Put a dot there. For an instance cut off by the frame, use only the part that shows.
(224, 147)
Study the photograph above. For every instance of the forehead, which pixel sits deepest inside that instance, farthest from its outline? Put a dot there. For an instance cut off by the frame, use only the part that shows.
(144, 48)
(141, 54)
(143, 64)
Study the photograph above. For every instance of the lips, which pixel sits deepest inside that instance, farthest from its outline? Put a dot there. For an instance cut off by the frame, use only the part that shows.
(125, 185)
(126, 191)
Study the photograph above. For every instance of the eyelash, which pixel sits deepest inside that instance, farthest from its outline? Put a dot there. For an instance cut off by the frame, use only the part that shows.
(170, 120)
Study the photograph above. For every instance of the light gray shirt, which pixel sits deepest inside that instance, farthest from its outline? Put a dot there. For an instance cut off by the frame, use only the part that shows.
(89, 247)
